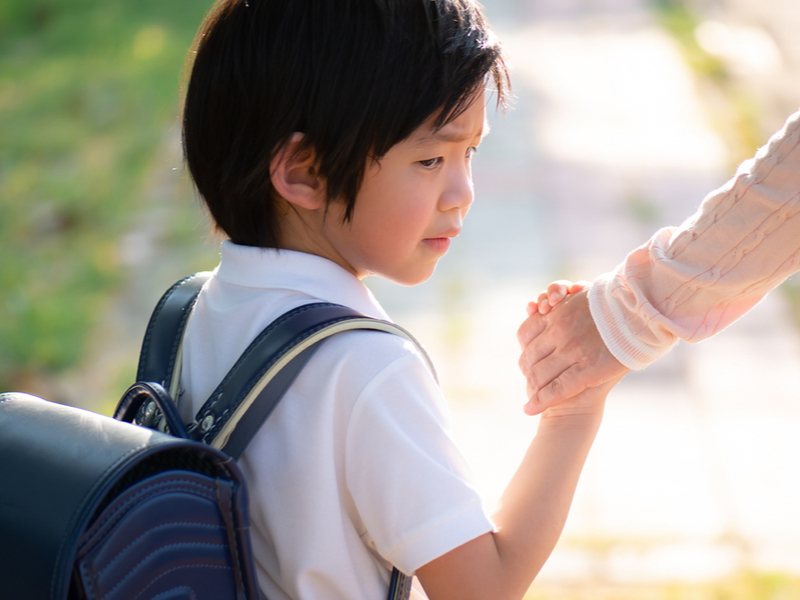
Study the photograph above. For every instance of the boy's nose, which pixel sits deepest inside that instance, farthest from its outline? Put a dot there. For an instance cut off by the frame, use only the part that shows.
(459, 193)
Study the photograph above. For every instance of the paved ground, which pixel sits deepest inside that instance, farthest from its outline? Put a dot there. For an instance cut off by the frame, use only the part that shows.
(692, 477)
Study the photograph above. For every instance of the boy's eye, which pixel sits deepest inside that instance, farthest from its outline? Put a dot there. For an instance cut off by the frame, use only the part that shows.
(472, 151)
(430, 162)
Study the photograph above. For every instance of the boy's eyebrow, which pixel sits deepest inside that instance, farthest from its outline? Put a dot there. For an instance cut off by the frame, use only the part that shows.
(448, 134)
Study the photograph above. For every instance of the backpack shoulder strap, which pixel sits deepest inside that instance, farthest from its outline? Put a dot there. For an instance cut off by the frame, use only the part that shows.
(162, 338)
(255, 384)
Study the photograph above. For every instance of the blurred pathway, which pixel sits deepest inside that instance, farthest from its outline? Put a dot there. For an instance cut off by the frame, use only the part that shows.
(692, 476)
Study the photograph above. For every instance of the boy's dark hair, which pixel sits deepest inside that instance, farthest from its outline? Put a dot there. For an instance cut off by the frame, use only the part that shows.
(354, 76)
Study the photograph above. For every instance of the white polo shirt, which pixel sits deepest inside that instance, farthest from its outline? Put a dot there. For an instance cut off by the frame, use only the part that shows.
(355, 470)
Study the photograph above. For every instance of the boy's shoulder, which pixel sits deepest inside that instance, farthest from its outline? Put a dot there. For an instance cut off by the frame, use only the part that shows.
(369, 354)
(373, 370)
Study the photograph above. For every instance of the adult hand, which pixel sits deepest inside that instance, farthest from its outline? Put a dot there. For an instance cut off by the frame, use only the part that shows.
(563, 354)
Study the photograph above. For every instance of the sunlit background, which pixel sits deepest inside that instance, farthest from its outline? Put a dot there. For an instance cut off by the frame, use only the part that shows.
(627, 114)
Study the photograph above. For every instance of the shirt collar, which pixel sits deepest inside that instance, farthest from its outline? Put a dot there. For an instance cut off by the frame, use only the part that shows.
(317, 277)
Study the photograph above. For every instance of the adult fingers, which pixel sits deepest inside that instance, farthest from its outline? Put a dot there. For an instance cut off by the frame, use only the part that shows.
(551, 380)
(570, 382)
(530, 329)
(540, 361)
(534, 349)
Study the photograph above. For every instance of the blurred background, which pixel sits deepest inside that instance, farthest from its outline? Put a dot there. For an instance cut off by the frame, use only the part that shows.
(627, 113)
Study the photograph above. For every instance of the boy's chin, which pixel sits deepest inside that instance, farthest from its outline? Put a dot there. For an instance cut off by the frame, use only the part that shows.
(408, 279)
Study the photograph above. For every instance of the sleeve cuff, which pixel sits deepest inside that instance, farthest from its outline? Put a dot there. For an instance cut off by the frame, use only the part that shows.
(612, 325)
(461, 528)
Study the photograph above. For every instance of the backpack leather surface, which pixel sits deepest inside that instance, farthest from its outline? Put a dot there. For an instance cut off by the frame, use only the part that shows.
(68, 478)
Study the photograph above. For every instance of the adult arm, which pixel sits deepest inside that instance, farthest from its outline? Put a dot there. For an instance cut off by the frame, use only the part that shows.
(686, 282)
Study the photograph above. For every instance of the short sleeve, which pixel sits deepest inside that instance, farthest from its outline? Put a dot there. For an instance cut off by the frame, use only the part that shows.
(408, 479)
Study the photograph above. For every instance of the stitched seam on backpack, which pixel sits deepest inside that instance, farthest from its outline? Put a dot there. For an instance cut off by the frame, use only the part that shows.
(119, 513)
(148, 334)
(149, 531)
(165, 573)
(137, 498)
(232, 406)
(167, 593)
(176, 343)
(80, 510)
(255, 342)
(149, 556)
(90, 592)
(232, 547)
(276, 323)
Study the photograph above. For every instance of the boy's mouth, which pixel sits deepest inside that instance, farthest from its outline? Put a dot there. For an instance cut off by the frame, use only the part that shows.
(438, 244)
(442, 242)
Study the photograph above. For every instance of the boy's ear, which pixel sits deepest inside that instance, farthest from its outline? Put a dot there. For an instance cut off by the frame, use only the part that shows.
(294, 175)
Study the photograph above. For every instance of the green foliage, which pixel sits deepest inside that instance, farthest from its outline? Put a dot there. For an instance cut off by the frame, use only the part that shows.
(88, 89)
(678, 19)
(791, 293)
(732, 109)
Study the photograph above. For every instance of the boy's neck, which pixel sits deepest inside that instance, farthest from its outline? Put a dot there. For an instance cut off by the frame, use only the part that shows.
(301, 229)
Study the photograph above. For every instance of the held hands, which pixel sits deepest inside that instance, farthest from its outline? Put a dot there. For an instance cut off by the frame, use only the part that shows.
(553, 296)
(562, 351)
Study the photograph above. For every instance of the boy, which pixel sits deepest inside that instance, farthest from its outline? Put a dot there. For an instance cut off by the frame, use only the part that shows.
(330, 141)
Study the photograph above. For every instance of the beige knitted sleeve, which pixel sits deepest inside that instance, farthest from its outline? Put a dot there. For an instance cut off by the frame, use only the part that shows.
(690, 282)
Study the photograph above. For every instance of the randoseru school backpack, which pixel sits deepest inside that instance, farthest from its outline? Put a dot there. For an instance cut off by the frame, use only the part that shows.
(141, 506)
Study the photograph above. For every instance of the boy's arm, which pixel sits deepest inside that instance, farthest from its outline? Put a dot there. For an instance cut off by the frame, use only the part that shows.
(534, 508)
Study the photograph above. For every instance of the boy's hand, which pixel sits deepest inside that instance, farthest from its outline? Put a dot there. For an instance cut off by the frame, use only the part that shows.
(553, 296)
(562, 351)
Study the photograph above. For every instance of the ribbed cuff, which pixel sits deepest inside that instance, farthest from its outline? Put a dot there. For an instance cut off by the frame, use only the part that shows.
(612, 325)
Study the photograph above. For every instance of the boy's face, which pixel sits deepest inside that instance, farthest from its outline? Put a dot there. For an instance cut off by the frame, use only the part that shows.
(411, 203)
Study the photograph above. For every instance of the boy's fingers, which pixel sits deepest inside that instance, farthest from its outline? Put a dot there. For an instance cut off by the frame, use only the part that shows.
(544, 306)
(541, 303)
(561, 284)
(553, 295)
(557, 291)
(578, 286)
